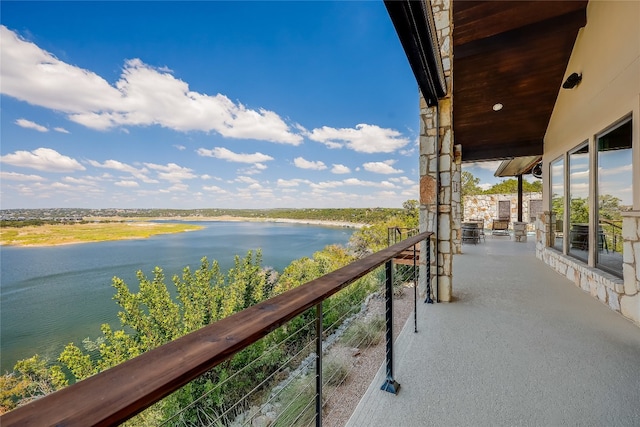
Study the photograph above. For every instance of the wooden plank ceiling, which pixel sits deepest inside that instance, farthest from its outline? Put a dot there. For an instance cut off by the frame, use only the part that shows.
(514, 53)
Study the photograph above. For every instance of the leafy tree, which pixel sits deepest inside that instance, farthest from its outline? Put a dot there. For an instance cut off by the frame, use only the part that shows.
(579, 211)
(375, 237)
(31, 379)
(510, 186)
(469, 184)
(609, 207)
(411, 213)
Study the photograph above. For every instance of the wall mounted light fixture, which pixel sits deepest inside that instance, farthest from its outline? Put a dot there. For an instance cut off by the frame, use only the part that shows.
(572, 81)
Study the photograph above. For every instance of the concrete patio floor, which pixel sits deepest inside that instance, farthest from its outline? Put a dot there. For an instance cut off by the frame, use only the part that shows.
(520, 345)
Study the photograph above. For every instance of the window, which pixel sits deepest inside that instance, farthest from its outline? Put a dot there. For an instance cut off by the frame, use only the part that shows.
(579, 203)
(557, 203)
(504, 209)
(614, 194)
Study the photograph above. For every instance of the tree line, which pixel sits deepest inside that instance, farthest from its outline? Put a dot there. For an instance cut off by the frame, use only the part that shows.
(470, 186)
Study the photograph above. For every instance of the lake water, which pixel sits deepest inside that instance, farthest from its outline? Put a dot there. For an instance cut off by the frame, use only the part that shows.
(51, 296)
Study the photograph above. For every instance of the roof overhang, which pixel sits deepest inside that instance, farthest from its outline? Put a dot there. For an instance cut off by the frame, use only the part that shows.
(514, 53)
(517, 166)
(416, 29)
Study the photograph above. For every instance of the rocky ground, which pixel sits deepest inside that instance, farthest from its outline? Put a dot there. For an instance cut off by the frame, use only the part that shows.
(365, 362)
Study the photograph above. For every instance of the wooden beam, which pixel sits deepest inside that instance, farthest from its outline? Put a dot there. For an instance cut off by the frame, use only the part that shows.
(476, 20)
(501, 151)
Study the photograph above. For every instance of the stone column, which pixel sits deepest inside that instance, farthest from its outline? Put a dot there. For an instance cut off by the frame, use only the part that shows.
(630, 300)
(543, 233)
(520, 231)
(440, 166)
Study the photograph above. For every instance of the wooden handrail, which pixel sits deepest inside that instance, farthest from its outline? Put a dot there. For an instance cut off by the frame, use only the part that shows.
(117, 394)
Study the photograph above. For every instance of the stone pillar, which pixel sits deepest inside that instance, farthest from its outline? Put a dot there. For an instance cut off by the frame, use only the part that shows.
(630, 300)
(440, 166)
(520, 231)
(543, 233)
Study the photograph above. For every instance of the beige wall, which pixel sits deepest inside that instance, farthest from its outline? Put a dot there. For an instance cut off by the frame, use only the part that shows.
(607, 53)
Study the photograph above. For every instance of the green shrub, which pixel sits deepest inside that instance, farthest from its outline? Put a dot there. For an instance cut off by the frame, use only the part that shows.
(298, 404)
(335, 373)
(365, 334)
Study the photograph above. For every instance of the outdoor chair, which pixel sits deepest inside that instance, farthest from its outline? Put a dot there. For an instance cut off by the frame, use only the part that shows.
(500, 227)
(480, 222)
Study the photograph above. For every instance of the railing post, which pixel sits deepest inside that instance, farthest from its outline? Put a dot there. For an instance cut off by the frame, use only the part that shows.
(390, 385)
(319, 365)
(415, 290)
(428, 274)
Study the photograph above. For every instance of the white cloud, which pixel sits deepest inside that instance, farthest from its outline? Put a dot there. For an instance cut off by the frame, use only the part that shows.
(284, 183)
(180, 147)
(340, 169)
(363, 138)
(230, 156)
(409, 152)
(491, 166)
(172, 172)
(178, 187)
(127, 184)
(302, 163)
(352, 182)
(326, 184)
(214, 189)
(403, 180)
(143, 96)
(61, 130)
(206, 177)
(141, 174)
(381, 167)
(253, 170)
(28, 124)
(245, 180)
(42, 159)
(60, 186)
(614, 171)
(79, 181)
(13, 176)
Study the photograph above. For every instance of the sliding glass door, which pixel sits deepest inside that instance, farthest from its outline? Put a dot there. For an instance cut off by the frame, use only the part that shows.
(614, 194)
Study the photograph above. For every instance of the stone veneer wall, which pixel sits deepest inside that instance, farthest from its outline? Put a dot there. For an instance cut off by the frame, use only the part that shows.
(621, 295)
(485, 206)
(440, 165)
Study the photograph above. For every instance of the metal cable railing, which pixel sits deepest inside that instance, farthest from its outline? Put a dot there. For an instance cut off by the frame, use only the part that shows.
(125, 390)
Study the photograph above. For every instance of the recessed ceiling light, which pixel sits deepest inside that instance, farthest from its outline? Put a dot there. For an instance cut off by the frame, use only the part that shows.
(497, 107)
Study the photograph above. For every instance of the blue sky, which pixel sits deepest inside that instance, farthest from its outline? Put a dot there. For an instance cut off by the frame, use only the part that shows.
(206, 104)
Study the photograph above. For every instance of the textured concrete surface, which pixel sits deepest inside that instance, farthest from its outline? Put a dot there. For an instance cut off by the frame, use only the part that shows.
(520, 345)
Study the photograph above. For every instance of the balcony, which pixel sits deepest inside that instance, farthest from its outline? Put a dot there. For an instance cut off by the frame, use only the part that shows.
(520, 345)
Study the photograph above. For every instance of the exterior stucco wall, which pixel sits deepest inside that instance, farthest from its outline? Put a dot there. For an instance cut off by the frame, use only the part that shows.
(607, 54)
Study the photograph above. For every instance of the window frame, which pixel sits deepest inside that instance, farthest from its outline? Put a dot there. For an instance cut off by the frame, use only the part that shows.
(568, 199)
(563, 158)
(628, 119)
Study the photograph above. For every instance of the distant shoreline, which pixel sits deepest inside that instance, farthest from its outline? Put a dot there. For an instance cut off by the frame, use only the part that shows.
(147, 221)
(281, 220)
